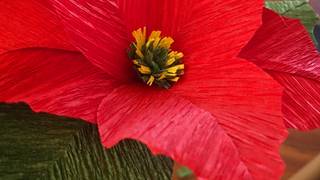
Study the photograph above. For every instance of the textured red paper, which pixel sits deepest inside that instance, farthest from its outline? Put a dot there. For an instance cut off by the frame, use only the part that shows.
(223, 119)
(101, 30)
(284, 49)
(29, 23)
(239, 104)
(53, 81)
(192, 136)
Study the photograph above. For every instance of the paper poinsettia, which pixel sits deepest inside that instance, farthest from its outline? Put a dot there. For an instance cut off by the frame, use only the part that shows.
(185, 92)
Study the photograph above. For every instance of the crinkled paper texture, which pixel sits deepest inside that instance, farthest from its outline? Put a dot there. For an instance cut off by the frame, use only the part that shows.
(223, 119)
(53, 81)
(284, 49)
(30, 23)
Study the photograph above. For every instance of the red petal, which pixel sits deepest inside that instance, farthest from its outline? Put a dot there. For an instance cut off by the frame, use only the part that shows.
(29, 24)
(53, 81)
(199, 18)
(301, 100)
(102, 29)
(209, 26)
(284, 49)
(172, 126)
(247, 105)
(218, 28)
(95, 27)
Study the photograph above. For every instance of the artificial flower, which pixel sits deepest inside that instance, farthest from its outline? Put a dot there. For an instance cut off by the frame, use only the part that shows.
(284, 49)
(221, 117)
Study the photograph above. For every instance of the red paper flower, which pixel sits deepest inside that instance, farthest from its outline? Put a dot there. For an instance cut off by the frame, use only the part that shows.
(222, 119)
(283, 48)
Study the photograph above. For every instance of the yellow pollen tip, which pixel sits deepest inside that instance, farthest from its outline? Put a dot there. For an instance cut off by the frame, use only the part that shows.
(144, 69)
(139, 53)
(170, 61)
(175, 79)
(155, 35)
(136, 62)
(162, 76)
(174, 69)
(179, 55)
(150, 81)
(140, 37)
(166, 42)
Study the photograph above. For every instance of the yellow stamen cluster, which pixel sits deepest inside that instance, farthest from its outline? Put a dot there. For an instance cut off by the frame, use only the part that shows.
(153, 59)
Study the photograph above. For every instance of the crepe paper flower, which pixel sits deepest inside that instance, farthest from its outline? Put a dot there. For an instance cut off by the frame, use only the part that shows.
(283, 48)
(222, 118)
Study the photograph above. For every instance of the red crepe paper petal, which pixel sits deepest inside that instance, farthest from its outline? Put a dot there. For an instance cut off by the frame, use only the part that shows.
(301, 100)
(53, 81)
(284, 49)
(201, 18)
(102, 29)
(172, 126)
(218, 29)
(247, 105)
(97, 30)
(30, 23)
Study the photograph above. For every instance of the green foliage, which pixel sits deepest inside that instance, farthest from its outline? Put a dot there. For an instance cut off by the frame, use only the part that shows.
(41, 146)
(184, 172)
(299, 9)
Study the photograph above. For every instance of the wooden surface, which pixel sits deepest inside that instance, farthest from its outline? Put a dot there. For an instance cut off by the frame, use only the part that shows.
(299, 149)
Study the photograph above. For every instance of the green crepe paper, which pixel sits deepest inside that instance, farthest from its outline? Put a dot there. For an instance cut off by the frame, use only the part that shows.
(41, 146)
(299, 9)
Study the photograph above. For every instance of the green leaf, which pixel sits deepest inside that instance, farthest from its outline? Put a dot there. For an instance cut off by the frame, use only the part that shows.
(42, 146)
(183, 172)
(299, 9)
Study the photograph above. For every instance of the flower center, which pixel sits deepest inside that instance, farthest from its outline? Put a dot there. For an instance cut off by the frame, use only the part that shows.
(153, 59)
